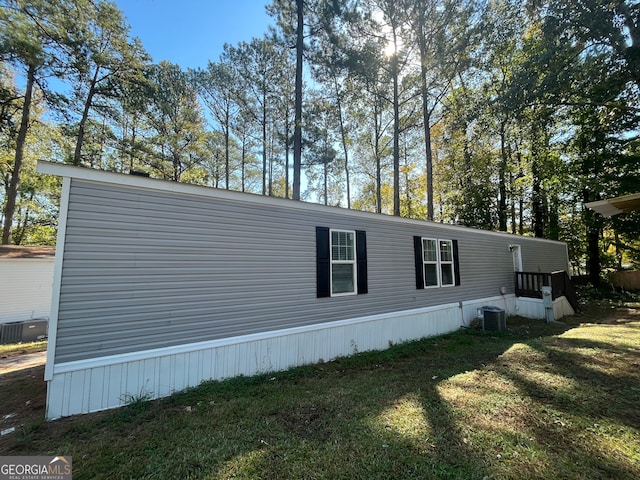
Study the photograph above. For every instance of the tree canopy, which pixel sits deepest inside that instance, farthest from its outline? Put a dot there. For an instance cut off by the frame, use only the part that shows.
(495, 114)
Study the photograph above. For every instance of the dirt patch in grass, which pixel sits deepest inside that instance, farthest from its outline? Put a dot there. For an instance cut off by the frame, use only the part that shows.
(307, 420)
(22, 362)
(606, 313)
(22, 402)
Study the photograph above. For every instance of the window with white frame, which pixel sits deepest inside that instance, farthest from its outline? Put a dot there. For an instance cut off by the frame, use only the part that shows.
(343, 262)
(430, 260)
(446, 262)
(438, 263)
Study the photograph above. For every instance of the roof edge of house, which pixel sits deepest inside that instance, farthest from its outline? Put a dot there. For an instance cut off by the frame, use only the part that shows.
(122, 179)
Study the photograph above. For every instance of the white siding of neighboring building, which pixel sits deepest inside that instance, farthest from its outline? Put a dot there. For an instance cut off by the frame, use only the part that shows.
(25, 288)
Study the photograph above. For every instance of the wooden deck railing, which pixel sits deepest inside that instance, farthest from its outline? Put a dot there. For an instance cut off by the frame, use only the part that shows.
(529, 284)
(562, 285)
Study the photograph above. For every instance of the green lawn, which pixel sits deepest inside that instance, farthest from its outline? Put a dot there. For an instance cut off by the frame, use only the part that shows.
(538, 401)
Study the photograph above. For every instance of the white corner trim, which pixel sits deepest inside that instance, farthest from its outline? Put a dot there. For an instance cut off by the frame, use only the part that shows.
(57, 279)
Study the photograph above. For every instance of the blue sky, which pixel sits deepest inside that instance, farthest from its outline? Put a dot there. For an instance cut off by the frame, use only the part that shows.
(192, 32)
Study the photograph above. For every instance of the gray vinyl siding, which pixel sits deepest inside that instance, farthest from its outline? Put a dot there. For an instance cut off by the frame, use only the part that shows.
(544, 257)
(146, 268)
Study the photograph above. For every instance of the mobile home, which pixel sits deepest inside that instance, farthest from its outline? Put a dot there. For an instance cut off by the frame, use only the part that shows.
(159, 286)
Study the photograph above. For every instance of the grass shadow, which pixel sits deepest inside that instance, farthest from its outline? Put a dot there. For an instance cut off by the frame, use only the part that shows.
(584, 392)
(447, 407)
(376, 418)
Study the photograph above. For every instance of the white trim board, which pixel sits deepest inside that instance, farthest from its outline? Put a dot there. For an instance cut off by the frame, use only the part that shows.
(57, 278)
(99, 384)
(253, 337)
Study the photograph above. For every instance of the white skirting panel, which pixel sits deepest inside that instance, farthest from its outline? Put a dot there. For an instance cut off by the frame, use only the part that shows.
(562, 308)
(534, 308)
(529, 307)
(108, 382)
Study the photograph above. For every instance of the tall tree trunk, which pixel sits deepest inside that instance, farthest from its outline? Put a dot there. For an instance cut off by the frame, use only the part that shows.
(592, 220)
(132, 144)
(521, 216)
(287, 147)
(396, 138)
(520, 195)
(554, 220)
(426, 119)
(512, 205)
(593, 246)
(226, 146)
(264, 144)
(536, 203)
(271, 168)
(243, 160)
(376, 131)
(297, 132)
(343, 137)
(176, 167)
(428, 159)
(325, 185)
(216, 172)
(537, 207)
(466, 153)
(616, 237)
(502, 184)
(12, 191)
(407, 184)
(77, 156)
(21, 230)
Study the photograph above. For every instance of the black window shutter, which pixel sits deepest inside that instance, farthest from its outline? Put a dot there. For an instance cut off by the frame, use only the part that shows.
(417, 247)
(322, 262)
(361, 261)
(456, 262)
